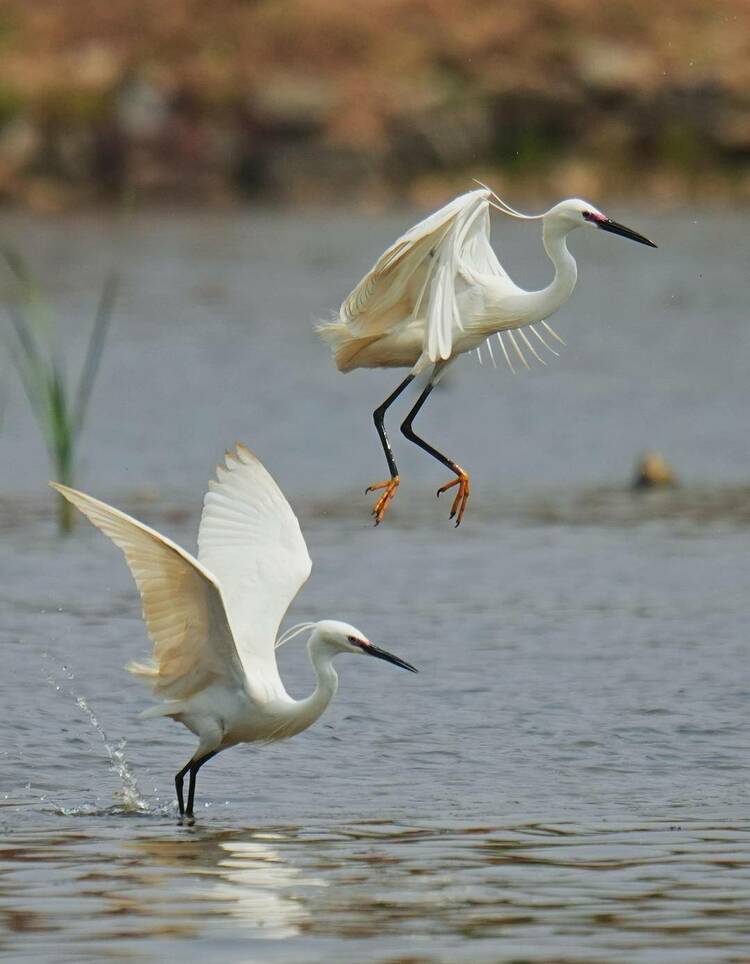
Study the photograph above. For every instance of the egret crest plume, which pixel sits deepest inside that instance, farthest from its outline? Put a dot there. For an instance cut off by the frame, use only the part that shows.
(292, 632)
(500, 205)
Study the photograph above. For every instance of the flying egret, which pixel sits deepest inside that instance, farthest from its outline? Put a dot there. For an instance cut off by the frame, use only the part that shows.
(213, 619)
(439, 291)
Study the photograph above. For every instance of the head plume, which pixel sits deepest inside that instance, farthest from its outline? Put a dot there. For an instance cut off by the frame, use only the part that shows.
(503, 206)
(293, 631)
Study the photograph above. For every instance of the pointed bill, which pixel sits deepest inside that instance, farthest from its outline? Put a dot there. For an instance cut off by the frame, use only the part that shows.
(371, 650)
(614, 228)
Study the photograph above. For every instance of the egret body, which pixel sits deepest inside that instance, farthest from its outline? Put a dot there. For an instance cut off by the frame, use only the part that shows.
(440, 291)
(214, 619)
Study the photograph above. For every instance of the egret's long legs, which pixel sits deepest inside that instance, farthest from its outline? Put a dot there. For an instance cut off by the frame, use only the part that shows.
(192, 767)
(178, 781)
(462, 478)
(390, 485)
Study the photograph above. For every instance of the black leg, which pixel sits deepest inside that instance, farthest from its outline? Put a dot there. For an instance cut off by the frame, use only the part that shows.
(194, 766)
(390, 485)
(413, 437)
(462, 478)
(178, 780)
(379, 416)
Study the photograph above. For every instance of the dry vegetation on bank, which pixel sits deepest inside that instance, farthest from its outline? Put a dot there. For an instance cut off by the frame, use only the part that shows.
(191, 100)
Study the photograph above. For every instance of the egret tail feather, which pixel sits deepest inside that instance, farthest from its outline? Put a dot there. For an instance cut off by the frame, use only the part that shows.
(552, 332)
(518, 351)
(531, 348)
(541, 339)
(505, 352)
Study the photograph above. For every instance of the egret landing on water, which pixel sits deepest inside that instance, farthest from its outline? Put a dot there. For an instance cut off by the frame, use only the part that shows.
(213, 620)
(440, 291)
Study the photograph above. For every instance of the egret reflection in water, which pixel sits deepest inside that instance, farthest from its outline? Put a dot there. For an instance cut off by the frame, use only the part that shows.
(249, 879)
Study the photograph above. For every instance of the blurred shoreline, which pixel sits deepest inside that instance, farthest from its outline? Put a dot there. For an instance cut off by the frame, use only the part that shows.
(327, 102)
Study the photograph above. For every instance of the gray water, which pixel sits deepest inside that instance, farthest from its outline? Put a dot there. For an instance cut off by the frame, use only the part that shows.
(567, 777)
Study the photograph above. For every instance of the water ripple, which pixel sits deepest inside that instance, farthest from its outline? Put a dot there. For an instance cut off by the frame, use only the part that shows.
(529, 889)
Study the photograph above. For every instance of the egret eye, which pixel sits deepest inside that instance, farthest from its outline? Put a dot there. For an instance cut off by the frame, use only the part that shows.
(353, 639)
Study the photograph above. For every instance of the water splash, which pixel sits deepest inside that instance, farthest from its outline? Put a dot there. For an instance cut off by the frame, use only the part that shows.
(129, 797)
(129, 794)
(117, 810)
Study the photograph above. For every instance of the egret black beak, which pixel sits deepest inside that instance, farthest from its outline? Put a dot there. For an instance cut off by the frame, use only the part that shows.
(614, 228)
(388, 657)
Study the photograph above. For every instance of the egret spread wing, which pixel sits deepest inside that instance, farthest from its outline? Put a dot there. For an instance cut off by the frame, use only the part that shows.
(250, 539)
(390, 289)
(478, 253)
(420, 275)
(182, 604)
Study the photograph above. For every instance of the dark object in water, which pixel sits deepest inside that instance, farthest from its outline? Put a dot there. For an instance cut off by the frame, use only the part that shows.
(652, 471)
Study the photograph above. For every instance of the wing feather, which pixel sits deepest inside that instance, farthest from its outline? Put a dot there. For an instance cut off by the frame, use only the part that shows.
(420, 275)
(250, 538)
(182, 604)
(367, 309)
(479, 251)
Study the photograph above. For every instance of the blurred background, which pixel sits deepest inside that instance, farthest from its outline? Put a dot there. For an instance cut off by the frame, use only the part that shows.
(328, 100)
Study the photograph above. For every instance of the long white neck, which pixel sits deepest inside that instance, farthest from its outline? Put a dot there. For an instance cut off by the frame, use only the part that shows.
(514, 310)
(554, 239)
(327, 681)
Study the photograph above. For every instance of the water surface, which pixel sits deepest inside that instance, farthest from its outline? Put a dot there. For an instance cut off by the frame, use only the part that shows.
(567, 777)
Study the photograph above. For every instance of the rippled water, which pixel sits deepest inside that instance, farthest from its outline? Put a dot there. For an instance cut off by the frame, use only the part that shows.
(378, 891)
(565, 780)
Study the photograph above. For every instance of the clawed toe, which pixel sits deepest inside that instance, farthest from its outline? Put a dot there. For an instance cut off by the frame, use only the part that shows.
(381, 506)
(390, 486)
(462, 496)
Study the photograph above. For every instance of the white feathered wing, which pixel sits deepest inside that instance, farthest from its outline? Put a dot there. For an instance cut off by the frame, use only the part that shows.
(421, 274)
(250, 539)
(182, 605)
(214, 619)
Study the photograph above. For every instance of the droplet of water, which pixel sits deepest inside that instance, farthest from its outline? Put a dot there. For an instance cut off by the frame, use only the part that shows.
(129, 793)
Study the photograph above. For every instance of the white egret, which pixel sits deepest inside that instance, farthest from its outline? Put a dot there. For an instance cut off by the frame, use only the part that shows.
(213, 619)
(439, 291)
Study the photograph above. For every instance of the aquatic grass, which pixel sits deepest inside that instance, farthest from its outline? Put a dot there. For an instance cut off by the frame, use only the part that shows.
(60, 411)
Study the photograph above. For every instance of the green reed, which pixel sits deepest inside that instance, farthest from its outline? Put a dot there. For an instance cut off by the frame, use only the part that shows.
(59, 409)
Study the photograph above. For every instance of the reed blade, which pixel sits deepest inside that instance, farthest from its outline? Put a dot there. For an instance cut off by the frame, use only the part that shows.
(104, 312)
(38, 358)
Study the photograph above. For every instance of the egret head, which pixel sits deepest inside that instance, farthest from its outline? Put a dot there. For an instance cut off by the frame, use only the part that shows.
(343, 638)
(567, 215)
(575, 213)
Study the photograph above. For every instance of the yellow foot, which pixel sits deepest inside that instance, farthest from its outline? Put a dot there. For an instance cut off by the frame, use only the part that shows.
(381, 506)
(462, 496)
